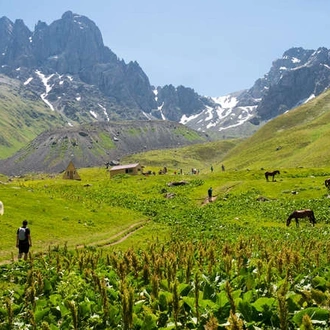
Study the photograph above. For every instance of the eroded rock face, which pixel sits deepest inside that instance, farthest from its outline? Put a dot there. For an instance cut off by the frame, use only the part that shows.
(97, 144)
(299, 75)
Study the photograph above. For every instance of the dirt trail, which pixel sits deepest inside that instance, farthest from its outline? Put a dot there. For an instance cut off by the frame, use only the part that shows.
(112, 240)
(119, 237)
(207, 200)
(223, 190)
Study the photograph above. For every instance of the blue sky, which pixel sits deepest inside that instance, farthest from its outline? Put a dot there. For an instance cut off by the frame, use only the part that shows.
(213, 46)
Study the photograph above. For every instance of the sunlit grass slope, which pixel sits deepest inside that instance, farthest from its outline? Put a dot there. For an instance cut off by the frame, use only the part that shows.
(199, 156)
(23, 116)
(299, 137)
(73, 213)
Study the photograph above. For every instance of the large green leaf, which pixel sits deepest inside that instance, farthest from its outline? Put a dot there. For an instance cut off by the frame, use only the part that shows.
(315, 313)
(163, 301)
(320, 283)
(222, 299)
(247, 310)
(208, 291)
(249, 295)
(47, 286)
(184, 289)
(149, 322)
(85, 308)
(207, 304)
(264, 303)
(295, 302)
(190, 301)
(55, 299)
(40, 314)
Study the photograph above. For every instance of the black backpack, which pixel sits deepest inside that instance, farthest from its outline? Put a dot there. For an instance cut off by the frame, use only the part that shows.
(21, 234)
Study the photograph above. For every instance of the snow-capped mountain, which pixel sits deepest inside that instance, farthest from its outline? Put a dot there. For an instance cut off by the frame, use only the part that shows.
(67, 66)
(294, 79)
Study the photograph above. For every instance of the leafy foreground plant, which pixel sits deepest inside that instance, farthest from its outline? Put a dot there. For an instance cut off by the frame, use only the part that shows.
(250, 283)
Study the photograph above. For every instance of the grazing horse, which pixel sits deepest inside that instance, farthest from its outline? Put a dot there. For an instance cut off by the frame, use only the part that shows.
(299, 214)
(2, 208)
(272, 174)
(327, 183)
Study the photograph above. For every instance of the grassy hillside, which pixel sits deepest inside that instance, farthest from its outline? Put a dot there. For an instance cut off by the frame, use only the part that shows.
(297, 138)
(200, 156)
(23, 116)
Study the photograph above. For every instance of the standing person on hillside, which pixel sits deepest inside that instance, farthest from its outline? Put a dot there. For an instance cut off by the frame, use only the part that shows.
(23, 240)
(209, 192)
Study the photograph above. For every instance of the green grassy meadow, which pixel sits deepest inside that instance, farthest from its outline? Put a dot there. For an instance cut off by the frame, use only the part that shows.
(133, 252)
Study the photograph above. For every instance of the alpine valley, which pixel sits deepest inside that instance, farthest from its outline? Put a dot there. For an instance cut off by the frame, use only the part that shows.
(60, 79)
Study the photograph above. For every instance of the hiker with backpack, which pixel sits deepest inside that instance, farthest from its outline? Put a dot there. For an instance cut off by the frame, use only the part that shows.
(23, 240)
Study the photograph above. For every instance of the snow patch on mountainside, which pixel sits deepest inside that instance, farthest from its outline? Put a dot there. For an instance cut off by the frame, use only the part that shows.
(104, 111)
(226, 102)
(224, 115)
(185, 120)
(48, 87)
(26, 82)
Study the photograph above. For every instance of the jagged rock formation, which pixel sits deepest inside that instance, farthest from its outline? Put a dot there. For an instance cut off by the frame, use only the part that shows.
(298, 76)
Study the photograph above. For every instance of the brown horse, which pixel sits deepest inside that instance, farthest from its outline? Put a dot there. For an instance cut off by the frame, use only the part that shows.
(272, 174)
(299, 214)
(327, 183)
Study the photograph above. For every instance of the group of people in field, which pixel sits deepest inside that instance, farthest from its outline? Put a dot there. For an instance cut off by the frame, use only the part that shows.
(23, 237)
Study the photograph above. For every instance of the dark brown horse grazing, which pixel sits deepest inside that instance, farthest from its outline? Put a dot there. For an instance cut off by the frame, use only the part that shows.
(272, 174)
(299, 214)
(327, 183)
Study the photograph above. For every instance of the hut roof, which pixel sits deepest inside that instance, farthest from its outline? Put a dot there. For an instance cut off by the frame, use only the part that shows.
(121, 167)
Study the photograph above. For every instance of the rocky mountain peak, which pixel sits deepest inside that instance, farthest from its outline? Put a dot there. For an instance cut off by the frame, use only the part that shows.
(320, 56)
(69, 44)
(295, 78)
(40, 26)
(68, 15)
(6, 28)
